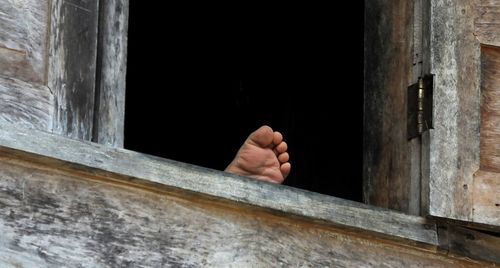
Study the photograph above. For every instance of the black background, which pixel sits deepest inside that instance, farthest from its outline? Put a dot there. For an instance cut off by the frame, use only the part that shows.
(302, 74)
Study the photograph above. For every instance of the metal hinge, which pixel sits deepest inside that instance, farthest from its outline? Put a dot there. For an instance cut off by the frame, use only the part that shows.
(420, 106)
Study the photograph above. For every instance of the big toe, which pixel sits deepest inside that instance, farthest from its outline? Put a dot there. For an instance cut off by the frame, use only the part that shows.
(263, 136)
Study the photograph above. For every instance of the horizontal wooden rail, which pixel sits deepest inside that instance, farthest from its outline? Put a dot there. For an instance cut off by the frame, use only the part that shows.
(64, 201)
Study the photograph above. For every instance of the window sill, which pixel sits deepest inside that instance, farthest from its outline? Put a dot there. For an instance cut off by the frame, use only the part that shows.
(141, 170)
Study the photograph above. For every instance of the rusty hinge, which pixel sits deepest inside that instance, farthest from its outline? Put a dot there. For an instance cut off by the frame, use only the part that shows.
(420, 106)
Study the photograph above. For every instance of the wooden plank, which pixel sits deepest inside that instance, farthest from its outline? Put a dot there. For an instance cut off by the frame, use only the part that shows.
(486, 205)
(72, 68)
(454, 141)
(490, 109)
(23, 35)
(486, 196)
(109, 116)
(388, 175)
(51, 217)
(487, 22)
(149, 170)
(466, 242)
(465, 138)
(26, 104)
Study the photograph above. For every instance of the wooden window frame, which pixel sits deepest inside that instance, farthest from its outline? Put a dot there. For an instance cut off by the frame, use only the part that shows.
(102, 122)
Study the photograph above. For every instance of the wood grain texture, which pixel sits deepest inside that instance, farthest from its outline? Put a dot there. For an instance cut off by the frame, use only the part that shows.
(388, 172)
(69, 69)
(490, 108)
(23, 35)
(72, 69)
(466, 242)
(109, 115)
(454, 141)
(487, 22)
(51, 218)
(144, 169)
(486, 196)
(26, 104)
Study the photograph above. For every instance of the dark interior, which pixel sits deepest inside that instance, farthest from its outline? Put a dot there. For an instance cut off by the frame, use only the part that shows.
(302, 74)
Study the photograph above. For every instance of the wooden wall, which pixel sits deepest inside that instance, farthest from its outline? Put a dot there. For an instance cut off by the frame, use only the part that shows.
(53, 218)
(23, 63)
(464, 180)
(57, 74)
(65, 202)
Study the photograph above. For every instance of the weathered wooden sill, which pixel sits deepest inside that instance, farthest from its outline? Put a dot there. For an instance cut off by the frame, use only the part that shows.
(141, 170)
(27, 149)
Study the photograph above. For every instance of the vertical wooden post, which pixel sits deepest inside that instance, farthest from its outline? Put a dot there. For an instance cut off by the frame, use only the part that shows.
(109, 114)
(72, 70)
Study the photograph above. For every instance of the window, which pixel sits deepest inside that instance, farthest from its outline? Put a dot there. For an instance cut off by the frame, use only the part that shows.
(301, 79)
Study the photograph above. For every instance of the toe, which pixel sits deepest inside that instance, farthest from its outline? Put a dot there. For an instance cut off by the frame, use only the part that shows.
(263, 136)
(285, 169)
(277, 138)
(282, 147)
(283, 158)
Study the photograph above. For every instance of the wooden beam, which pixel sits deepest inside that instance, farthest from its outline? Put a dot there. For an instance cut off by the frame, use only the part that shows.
(25, 103)
(464, 142)
(50, 217)
(109, 115)
(462, 241)
(145, 169)
(64, 202)
(72, 66)
(454, 141)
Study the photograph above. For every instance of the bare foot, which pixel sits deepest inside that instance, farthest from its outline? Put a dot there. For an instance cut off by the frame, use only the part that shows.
(263, 156)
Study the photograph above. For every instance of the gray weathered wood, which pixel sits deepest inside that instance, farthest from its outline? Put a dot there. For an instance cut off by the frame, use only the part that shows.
(109, 115)
(62, 218)
(454, 143)
(26, 104)
(72, 69)
(62, 67)
(458, 28)
(24, 96)
(69, 203)
(23, 35)
(151, 169)
(391, 162)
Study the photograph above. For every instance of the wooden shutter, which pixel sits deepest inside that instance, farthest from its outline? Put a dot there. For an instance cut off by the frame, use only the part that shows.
(392, 53)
